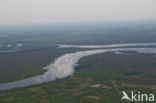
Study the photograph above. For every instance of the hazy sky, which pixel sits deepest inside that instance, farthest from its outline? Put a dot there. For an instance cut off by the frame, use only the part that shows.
(44, 11)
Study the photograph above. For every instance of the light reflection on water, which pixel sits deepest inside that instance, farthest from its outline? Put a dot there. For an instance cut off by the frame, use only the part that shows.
(64, 65)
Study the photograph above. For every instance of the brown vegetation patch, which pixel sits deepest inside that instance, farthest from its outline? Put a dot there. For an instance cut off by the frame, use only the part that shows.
(86, 83)
(43, 101)
(76, 92)
(10, 99)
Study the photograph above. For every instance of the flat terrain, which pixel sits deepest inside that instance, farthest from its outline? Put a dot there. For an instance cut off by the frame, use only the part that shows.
(27, 63)
(98, 79)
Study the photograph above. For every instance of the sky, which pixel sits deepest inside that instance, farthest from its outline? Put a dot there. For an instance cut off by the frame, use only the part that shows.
(49, 11)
